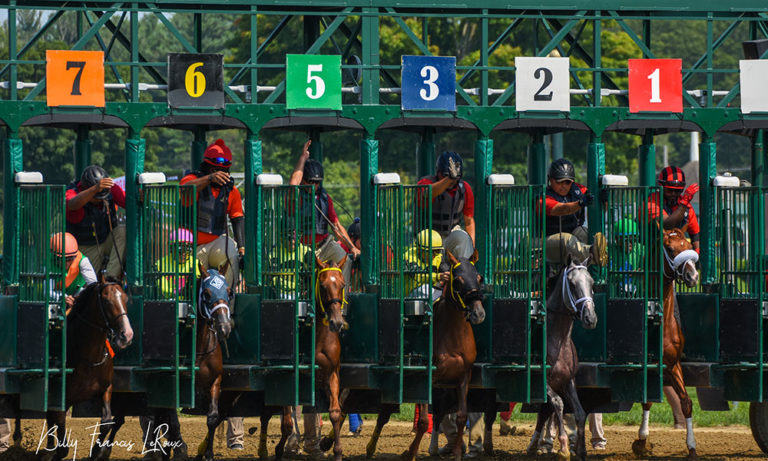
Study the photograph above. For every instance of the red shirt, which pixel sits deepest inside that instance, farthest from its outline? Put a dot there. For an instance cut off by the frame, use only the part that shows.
(689, 218)
(234, 208)
(469, 196)
(550, 202)
(75, 216)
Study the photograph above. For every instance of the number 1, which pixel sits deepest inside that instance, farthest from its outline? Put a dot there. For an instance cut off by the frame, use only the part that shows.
(76, 83)
(654, 78)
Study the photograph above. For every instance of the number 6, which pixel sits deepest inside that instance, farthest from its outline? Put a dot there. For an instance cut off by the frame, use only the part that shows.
(319, 83)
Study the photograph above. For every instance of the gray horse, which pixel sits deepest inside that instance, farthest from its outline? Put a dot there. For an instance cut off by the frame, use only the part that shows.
(570, 299)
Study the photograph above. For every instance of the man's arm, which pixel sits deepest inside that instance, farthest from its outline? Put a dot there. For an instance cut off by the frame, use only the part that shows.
(298, 170)
(443, 185)
(562, 209)
(82, 198)
(341, 234)
(218, 178)
(674, 219)
(469, 225)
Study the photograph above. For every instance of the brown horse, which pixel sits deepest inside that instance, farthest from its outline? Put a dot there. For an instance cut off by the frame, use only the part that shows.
(329, 301)
(460, 305)
(97, 323)
(679, 266)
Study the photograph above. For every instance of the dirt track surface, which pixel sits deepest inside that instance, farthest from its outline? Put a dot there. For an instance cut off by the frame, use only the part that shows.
(726, 443)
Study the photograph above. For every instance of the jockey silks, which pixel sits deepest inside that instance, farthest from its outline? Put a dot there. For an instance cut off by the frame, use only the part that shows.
(212, 211)
(93, 215)
(566, 223)
(447, 210)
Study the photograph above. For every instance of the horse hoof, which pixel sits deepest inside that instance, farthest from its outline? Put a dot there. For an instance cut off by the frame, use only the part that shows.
(642, 448)
(406, 456)
(692, 456)
(488, 449)
(263, 454)
(326, 443)
(563, 456)
(102, 454)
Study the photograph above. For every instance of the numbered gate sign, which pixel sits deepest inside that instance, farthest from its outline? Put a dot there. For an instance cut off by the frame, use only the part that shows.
(313, 81)
(74, 78)
(196, 80)
(655, 85)
(542, 84)
(428, 83)
(754, 91)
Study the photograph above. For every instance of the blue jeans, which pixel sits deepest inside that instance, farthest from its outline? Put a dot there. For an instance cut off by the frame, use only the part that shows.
(355, 421)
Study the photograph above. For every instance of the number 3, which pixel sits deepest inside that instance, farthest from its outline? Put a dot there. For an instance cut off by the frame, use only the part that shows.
(319, 83)
(434, 91)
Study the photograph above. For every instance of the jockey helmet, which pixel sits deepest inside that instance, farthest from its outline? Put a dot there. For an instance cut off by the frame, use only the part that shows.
(91, 176)
(422, 240)
(70, 245)
(182, 236)
(450, 164)
(313, 171)
(218, 154)
(625, 227)
(354, 229)
(672, 177)
(562, 169)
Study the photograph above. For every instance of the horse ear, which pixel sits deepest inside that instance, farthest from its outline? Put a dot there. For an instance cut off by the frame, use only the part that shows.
(224, 267)
(201, 269)
(473, 259)
(451, 258)
(342, 262)
(319, 263)
(684, 229)
(102, 277)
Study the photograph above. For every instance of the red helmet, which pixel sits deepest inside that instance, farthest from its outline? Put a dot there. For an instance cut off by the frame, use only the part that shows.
(70, 244)
(218, 154)
(672, 177)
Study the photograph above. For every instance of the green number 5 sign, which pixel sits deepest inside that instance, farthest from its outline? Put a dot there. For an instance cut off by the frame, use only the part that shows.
(313, 82)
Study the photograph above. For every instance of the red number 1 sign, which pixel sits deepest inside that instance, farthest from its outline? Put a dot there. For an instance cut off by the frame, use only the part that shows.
(655, 85)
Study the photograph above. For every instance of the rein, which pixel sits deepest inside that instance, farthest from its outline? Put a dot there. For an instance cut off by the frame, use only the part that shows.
(207, 312)
(331, 301)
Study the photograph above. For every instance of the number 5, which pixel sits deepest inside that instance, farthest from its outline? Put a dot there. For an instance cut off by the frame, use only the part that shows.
(319, 83)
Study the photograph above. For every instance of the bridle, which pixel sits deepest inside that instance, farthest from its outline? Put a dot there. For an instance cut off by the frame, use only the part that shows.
(207, 310)
(332, 301)
(471, 295)
(107, 327)
(567, 294)
(677, 264)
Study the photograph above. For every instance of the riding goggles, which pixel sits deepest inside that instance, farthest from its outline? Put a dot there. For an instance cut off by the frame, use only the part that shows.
(220, 161)
(674, 184)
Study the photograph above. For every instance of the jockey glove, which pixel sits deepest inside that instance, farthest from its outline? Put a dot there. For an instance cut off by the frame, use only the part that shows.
(687, 196)
(586, 200)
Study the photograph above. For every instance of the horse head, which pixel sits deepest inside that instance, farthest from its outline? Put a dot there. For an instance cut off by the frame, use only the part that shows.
(113, 302)
(576, 293)
(465, 287)
(329, 294)
(680, 258)
(213, 303)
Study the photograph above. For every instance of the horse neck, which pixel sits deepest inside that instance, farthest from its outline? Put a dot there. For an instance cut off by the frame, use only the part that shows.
(559, 318)
(204, 332)
(87, 331)
(668, 300)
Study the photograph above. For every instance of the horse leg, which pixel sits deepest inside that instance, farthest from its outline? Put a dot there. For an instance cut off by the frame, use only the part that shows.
(541, 419)
(381, 420)
(263, 451)
(334, 411)
(437, 417)
(676, 375)
(421, 429)
(461, 414)
(489, 417)
(57, 431)
(17, 432)
(174, 436)
(580, 417)
(641, 447)
(557, 404)
(103, 450)
(327, 442)
(213, 419)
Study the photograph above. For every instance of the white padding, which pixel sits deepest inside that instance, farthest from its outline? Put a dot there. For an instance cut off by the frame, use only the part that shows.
(726, 181)
(28, 177)
(612, 180)
(386, 178)
(269, 179)
(501, 180)
(151, 178)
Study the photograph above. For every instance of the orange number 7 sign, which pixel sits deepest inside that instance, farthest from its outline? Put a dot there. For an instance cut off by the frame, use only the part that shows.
(74, 78)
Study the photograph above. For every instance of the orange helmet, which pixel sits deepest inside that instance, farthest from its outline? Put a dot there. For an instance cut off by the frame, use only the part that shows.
(70, 244)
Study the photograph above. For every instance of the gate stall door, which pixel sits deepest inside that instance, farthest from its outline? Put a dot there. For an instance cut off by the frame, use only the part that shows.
(169, 267)
(518, 312)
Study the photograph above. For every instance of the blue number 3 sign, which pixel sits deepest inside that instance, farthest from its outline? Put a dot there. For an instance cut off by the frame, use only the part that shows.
(429, 83)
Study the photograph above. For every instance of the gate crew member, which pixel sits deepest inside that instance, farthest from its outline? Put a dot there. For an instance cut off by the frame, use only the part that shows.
(565, 203)
(79, 273)
(452, 203)
(218, 197)
(677, 211)
(92, 218)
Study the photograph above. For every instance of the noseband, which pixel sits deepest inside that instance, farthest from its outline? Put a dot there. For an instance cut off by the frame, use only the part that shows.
(331, 301)
(576, 304)
(677, 264)
(475, 293)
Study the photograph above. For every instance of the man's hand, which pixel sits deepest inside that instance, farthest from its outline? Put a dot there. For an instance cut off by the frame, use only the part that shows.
(305, 151)
(687, 196)
(355, 252)
(586, 200)
(445, 276)
(105, 183)
(241, 258)
(219, 178)
(70, 300)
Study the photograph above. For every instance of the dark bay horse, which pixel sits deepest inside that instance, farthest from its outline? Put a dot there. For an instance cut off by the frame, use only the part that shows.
(329, 301)
(460, 305)
(569, 300)
(97, 325)
(679, 266)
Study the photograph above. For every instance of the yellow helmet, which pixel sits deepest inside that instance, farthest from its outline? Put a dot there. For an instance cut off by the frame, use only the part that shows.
(422, 240)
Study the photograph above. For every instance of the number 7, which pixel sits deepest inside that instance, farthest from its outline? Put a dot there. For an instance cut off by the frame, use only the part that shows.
(76, 83)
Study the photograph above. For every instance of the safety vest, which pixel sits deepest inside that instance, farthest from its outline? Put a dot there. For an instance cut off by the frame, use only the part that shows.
(567, 223)
(447, 210)
(307, 208)
(212, 211)
(94, 216)
(417, 271)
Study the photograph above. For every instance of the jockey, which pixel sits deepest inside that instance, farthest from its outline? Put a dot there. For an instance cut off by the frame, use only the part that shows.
(630, 254)
(677, 210)
(92, 218)
(452, 197)
(565, 203)
(181, 244)
(418, 278)
(80, 272)
(282, 263)
(218, 197)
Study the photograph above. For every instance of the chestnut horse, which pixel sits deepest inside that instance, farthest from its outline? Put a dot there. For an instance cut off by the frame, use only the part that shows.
(569, 300)
(329, 301)
(679, 266)
(96, 323)
(460, 305)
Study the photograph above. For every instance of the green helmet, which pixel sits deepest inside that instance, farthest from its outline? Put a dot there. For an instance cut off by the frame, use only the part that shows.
(625, 227)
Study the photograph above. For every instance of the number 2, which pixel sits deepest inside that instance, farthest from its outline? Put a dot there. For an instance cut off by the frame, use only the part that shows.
(654, 78)
(547, 80)
(319, 83)
(431, 74)
(76, 83)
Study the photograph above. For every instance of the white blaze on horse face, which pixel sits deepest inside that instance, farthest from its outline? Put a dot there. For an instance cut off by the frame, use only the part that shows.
(643, 432)
(124, 323)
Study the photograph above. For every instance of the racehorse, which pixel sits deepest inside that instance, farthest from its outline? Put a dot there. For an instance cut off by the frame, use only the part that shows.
(569, 300)
(454, 349)
(97, 323)
(679, 266)
(329, 301)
